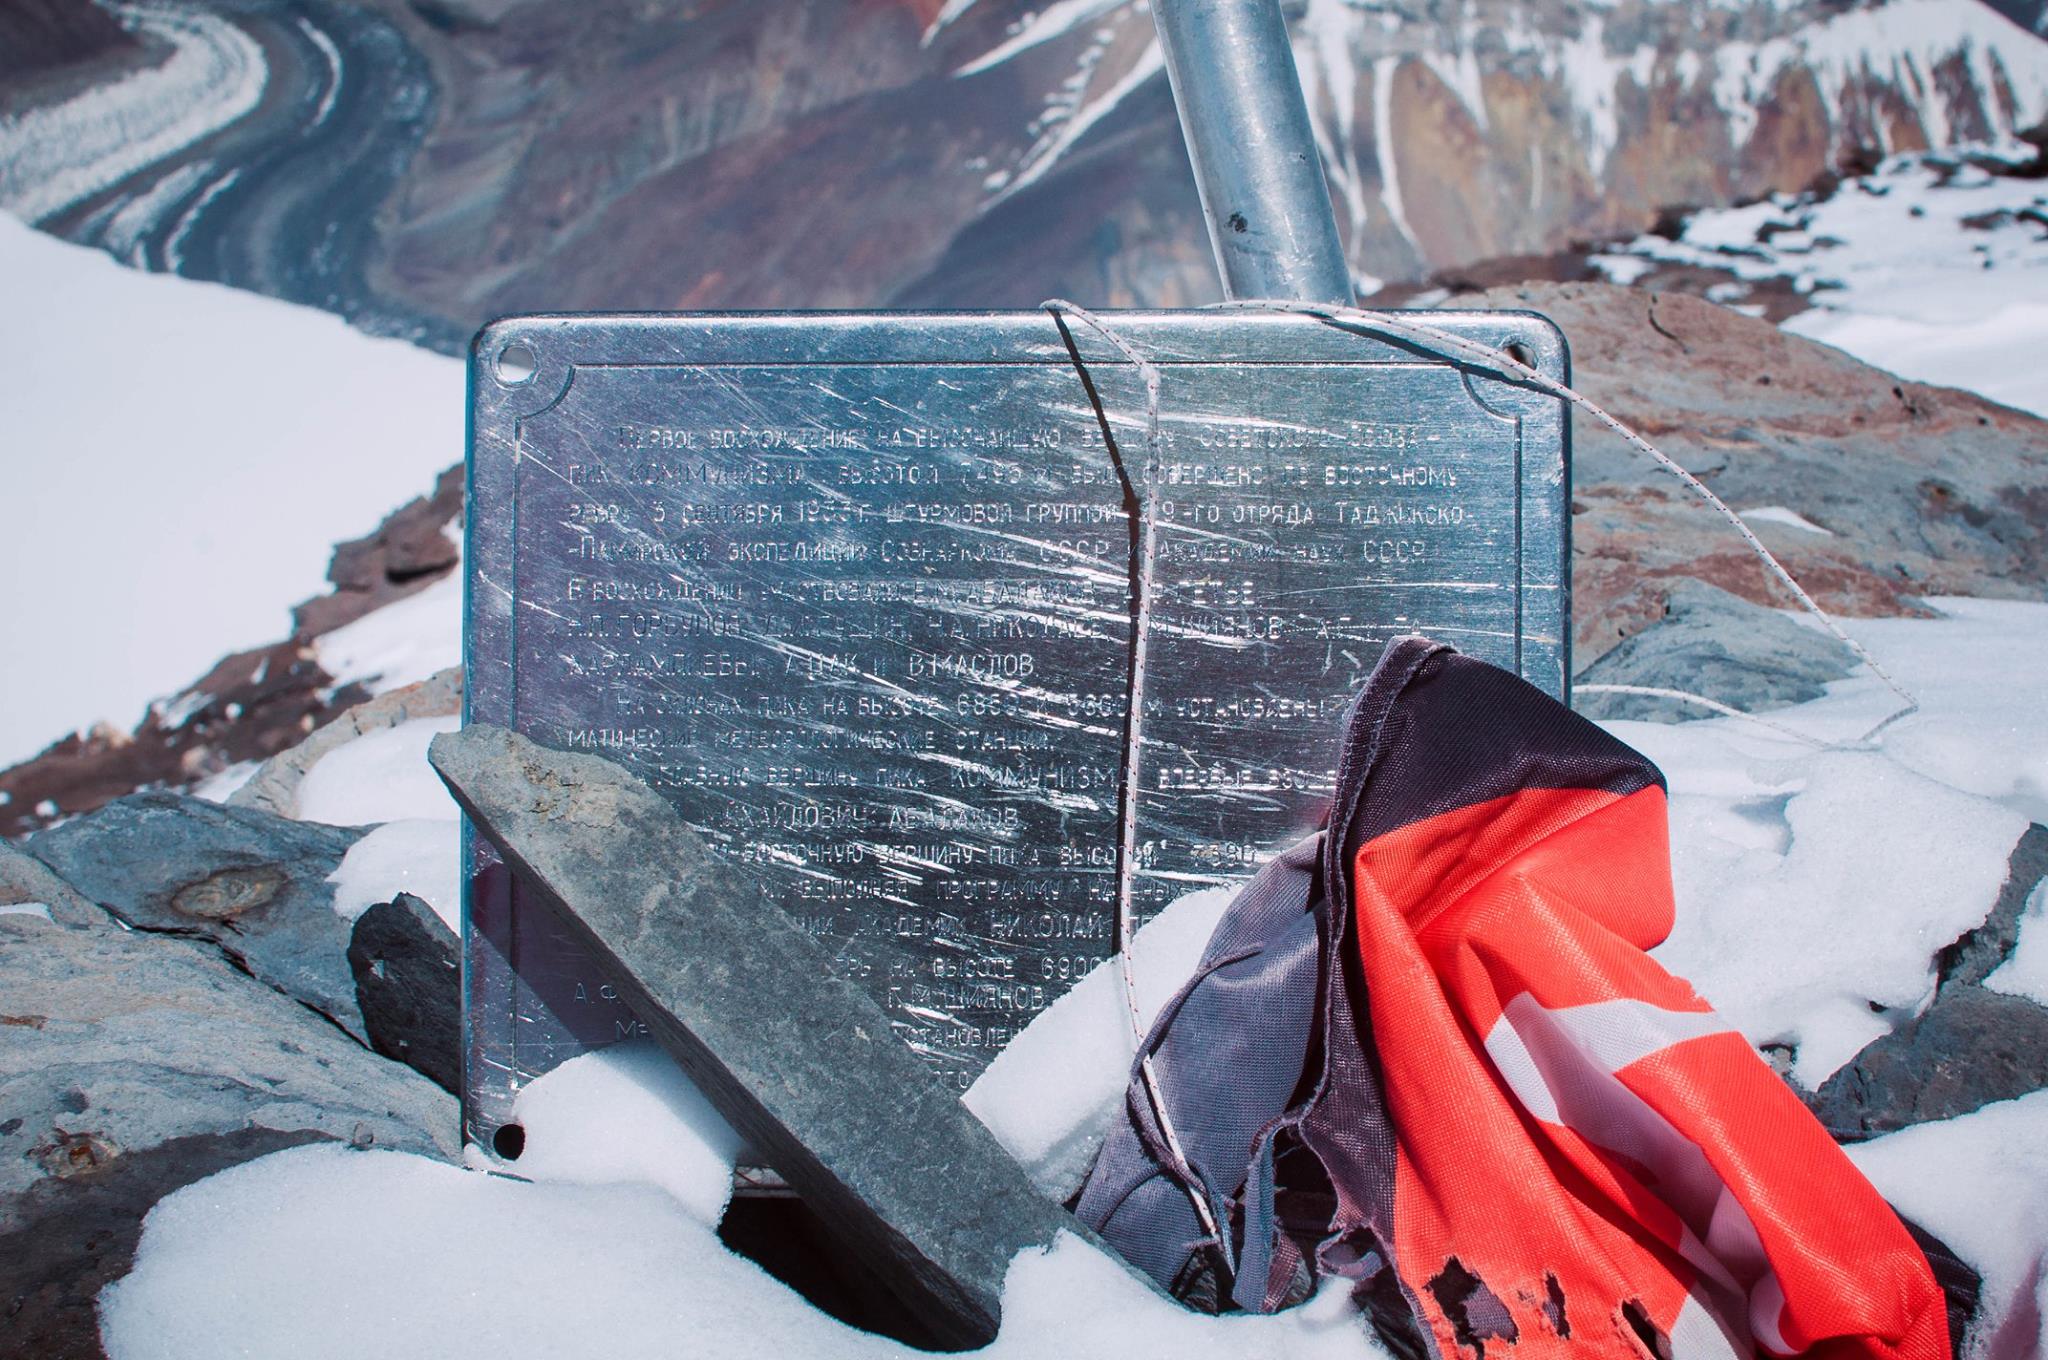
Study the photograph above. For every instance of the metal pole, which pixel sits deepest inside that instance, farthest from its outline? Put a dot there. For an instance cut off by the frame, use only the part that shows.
(1246, 124)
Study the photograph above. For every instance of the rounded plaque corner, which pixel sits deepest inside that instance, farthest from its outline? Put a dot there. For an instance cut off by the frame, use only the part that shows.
(1530, 339)
(518, 368)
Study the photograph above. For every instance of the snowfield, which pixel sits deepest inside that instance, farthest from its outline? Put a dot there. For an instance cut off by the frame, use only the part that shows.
(180, 459)
(1817, 875)
(1932, 267)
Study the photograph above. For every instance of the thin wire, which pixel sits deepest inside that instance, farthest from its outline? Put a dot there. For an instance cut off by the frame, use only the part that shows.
(1687, 696)
(1507, 363)
(1127, 851)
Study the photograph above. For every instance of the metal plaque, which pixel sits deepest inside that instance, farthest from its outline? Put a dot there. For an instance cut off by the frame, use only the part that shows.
(860, 592)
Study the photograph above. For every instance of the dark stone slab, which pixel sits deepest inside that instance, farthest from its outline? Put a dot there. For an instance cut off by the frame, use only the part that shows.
(252, 883)
(1972, 1047)
(408, 970)
(799, 1059)
(1978, 953)
(1717, 645)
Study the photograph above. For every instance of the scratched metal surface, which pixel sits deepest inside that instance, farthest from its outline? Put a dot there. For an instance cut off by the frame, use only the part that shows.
(858, 590)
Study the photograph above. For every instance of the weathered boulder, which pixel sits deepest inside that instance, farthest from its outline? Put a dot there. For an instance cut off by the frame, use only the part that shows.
(1970, 1048)
(275, 785)
(25, 879)
(408, 970)
(1719, 646)
(1917, 490)
(253, 884)
(134, 1063)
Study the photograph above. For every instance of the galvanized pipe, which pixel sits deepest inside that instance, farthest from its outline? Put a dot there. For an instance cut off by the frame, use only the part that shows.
(1246, 124)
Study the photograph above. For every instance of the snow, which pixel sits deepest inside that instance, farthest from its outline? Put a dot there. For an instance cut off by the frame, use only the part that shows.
(381, 776)
(401, 644)
(1035, 28)
(626, 1114)
(412, 855)
(1980, 1184)
(1049, 1096)
(218, 788)
(2025, 972)
(1814, 890)
(1931, 267)
(1778, 514)
(182, 457)
(1816, 885)
(38, 909)
(330, 1252)
(56, 155)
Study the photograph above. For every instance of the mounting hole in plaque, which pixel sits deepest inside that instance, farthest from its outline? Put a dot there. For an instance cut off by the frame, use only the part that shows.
(1520, 353)
(516, 364)
(509, 1141)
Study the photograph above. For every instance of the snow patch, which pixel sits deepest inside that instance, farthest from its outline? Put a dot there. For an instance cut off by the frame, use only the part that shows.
(1036, 28)
(624, 1114)
(1815, 887)
(412, 855)
(403, 643)
(381, 776)
(1778, 514)
(1049, 1096)
(218, 788)
(1930, 267)
(1980, 1184)
(36, 909)
(324, 1251)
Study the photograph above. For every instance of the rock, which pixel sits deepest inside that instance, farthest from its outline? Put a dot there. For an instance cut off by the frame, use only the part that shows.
(48, 37)
(1717, 645)
(408, 970)
(1922, 490)
(275, 785)
(253, 884)
(1979, 952)
(24, 878)
(1970, 1048)
(794, 1055)
(132, 1064)
(409, 550)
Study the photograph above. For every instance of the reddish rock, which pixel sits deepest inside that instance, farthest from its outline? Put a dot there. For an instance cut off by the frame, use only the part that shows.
(1924, 490)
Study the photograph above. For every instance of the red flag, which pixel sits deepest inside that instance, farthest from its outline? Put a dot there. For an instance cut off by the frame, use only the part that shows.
(1608, 1163)
(1429, 1051)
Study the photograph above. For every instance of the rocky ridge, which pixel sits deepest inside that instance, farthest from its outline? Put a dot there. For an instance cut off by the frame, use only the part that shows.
(478, 157)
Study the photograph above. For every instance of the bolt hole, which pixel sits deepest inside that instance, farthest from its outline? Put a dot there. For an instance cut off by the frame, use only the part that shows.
(1520, 353)
(516, 364)
(509, 1141)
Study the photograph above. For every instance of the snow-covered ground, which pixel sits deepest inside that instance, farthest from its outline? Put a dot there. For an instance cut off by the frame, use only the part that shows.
(178, 461)
(1817, 876)
(1932, 267)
